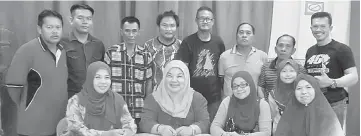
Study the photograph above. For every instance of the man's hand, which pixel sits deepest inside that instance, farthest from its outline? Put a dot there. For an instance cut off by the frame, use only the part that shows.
(324, 80)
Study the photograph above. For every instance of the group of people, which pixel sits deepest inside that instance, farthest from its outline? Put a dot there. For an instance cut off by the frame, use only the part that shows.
(73, 85)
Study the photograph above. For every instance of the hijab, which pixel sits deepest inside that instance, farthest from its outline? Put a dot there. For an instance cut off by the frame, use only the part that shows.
(180, 104)
(316, 119)
(245, 112)
(283, 91)
(102, 111)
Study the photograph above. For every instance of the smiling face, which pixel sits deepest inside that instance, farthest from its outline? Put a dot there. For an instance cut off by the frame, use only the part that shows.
(304, 92)
(102, 81)
(174, 80)
(321, 28)
(288, 74)
(241, 88)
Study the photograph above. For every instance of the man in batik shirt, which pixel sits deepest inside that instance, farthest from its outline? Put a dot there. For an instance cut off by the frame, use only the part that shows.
(164, 46)
(131, 67)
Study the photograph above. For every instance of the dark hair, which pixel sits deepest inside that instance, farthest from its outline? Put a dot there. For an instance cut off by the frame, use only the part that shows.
(204, 8)
(168, 14)
(284, 35)
(48, 13)
(130, 19)
(253, 29)
(322, 15)
(81, 6)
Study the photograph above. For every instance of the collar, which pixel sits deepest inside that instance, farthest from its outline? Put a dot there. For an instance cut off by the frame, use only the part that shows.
(234, 50)
(273, 63)
(45, 47)
(72, 37)
(137, 47)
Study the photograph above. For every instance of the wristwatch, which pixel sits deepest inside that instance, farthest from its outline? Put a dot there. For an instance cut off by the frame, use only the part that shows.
(334, 84)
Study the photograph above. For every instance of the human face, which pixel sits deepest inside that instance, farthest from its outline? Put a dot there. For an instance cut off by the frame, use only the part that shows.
(284, 48)
(288, 74)
(320, 28)
(51, 30)
(82, 20)
(174, 80)
(101, 81)
(240, 88)
(205, 20)
(245, 35)
(168, 27)
(305, 93)
(130, 31)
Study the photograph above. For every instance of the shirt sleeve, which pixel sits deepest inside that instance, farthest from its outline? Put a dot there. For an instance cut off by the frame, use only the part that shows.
(103, 51)
(183, 53)
(17, 72)
(345, 58)
(264, 121)
(221, 65)
(149, 115)
(127, 120)
(201, 114)
(220, 118)
(262, 77)
(75, 116)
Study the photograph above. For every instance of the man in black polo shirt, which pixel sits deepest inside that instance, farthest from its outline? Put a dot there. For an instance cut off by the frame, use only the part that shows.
(332, 63)
(81, 47)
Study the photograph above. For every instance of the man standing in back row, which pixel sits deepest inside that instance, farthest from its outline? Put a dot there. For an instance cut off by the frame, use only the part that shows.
(201, 51)
(81, 47)
(332, 63)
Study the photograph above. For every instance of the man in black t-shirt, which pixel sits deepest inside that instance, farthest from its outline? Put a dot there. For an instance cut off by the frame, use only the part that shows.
(332, 63)
(201, 52)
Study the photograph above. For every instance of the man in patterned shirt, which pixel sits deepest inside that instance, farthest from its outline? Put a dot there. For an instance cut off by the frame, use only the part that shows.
(285, 47)
(131, 67)
(164, 46)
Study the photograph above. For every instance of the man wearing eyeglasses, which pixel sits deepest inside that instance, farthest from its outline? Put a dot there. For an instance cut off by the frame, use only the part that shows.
(81, 47)
(242, 57)
(131, 67)
(201, 52)
(332, 64)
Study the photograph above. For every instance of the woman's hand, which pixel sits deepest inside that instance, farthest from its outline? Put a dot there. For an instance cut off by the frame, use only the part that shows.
(114, 132)
(165, 130)
(184, 131)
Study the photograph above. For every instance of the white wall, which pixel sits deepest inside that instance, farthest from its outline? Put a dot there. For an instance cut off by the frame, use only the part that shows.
(289, 18)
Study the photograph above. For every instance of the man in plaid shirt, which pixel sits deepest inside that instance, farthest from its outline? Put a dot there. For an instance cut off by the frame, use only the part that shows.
(131, 66)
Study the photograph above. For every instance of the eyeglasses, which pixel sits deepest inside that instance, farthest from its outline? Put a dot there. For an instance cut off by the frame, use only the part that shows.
(208, 20)
(242, 86)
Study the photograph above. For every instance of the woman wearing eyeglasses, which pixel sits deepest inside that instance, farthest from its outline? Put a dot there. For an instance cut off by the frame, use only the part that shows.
(243, 113)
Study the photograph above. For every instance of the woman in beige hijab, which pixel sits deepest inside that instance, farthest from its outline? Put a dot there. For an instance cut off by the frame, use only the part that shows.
(175, 108)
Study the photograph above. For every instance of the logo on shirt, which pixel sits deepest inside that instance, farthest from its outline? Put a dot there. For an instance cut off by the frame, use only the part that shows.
(317, 63)
(205, 65)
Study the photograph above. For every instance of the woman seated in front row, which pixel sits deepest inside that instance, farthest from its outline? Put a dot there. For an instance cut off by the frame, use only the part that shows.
(96, 110)
(242, 113)
(174, 108)
(308, 113)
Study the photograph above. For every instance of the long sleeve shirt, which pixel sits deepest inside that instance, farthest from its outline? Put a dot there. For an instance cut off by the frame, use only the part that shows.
(75, 114)
(264, 120)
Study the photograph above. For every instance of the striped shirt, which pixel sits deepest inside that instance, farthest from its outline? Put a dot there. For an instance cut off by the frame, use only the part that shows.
(131, 75)
(268, 77)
